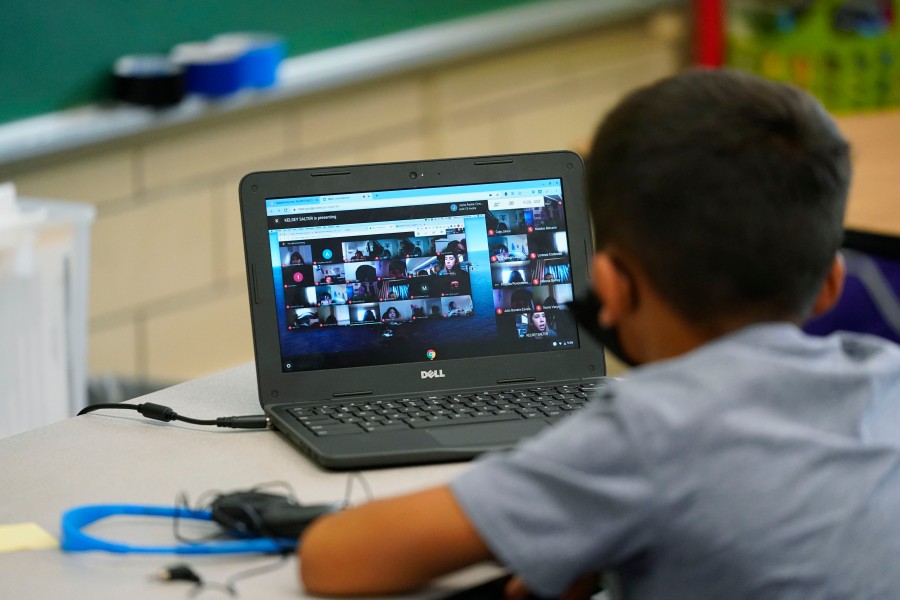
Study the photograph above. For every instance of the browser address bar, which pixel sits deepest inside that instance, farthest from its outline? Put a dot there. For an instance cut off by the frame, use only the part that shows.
(362, 204)
(417, 226)
(517, 202)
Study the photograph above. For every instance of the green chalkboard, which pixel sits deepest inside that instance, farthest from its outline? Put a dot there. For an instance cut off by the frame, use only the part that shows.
(58, 54)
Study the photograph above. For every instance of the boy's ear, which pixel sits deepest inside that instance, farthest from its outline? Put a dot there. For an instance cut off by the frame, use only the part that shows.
(613, 287)
(832, 288)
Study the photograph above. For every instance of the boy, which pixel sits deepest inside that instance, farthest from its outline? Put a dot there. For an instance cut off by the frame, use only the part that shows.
(744, 459)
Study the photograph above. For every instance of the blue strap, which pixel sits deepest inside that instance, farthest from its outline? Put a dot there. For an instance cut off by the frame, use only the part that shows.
(74, 539)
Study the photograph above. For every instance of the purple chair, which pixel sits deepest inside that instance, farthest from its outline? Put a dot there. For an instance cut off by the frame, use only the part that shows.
(870, 302)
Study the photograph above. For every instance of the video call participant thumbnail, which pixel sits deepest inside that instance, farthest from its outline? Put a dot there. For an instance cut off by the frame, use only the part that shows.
(555, 322)
(390, 314)
(357, 250)
(364, 291)
(331, 294)
(334, 315)
(512, 273)
(327, 251)
(518, 220)
(362, 272)
(396, 269)
(451, 264)
(551, 271)
(421, 267)
(453, 243)
(422, 287)
(297, 254)
(457, 306)
(365, 313)
(551, 215)
(300, 318)
(453, 285)
(411, 247)
(552, 296)
(426, 308)
(539, 323)
(397, 311)
(328, 274)
(513, 300)
(508, 248)
(386, 248)
(393, 290)
(300, 296)
(298, 275)
(545, 244)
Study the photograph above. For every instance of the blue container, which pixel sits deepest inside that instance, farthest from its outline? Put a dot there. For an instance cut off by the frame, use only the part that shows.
(211, 69)
(262, 53)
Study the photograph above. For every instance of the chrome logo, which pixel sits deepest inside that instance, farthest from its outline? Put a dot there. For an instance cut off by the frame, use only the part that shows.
(430, 355)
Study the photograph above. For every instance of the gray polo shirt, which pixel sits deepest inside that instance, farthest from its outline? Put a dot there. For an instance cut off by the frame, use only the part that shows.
(763, 465)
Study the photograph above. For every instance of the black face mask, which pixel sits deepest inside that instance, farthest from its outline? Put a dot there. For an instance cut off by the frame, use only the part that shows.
(586, 311)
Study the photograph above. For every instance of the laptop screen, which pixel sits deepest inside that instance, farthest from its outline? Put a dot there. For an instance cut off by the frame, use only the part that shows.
(426, 274)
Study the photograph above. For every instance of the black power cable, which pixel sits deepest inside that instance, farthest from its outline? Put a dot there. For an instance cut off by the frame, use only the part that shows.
(159, 412)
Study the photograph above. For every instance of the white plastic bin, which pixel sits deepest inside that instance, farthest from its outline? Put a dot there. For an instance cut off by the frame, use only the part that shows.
(44, 267)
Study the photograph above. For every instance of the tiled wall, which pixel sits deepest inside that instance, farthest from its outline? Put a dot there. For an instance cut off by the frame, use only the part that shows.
(167, 283)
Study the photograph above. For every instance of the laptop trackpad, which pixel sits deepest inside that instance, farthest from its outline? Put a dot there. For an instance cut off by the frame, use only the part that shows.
(486, 434)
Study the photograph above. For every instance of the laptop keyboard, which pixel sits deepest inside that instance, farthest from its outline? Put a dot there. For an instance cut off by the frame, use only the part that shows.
(367, 416)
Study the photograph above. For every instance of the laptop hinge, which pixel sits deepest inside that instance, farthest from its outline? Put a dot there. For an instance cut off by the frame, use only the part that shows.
(350, 394)
(509, 381)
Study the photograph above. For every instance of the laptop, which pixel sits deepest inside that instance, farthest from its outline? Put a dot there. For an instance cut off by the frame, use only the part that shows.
(416, 312)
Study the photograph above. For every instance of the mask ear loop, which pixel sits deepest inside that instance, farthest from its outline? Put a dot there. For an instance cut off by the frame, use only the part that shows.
(586, 311)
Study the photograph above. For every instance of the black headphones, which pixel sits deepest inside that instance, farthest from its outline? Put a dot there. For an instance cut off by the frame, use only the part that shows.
(251, 514)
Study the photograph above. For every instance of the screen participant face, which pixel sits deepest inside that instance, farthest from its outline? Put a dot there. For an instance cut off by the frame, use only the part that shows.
(451, 263)
(295, 255)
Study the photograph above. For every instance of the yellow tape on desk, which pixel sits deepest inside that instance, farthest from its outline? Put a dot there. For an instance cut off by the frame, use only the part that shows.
(25, 536)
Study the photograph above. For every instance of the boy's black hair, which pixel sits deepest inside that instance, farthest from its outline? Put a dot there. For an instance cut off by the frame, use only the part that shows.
(728, 189)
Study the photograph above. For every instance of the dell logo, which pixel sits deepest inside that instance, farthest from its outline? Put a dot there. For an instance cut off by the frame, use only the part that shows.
(433, 374)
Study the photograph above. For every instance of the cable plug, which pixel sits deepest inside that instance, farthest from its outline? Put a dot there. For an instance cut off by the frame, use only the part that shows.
(244, 422)
(157, 411)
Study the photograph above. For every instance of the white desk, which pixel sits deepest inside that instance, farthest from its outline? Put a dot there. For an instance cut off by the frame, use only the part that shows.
(120, 457)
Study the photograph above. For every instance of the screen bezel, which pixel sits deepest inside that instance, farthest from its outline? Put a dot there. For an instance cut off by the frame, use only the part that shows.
(276, 386)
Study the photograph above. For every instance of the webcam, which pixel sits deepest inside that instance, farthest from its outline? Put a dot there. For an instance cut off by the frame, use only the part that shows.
(413, 174)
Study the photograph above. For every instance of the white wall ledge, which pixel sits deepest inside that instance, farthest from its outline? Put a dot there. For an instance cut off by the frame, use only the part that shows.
(358, 62)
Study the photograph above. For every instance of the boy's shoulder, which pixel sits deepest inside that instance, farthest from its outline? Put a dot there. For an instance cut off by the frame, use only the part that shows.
(765, 373)
(762, 354)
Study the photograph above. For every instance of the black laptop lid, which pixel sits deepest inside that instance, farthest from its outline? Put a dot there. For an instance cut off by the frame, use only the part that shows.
(418, 276)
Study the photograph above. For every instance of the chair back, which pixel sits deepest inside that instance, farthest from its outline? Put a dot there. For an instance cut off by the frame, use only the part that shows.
(870, 302)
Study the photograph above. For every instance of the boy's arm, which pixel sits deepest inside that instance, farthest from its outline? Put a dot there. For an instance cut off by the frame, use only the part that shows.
(389, 546)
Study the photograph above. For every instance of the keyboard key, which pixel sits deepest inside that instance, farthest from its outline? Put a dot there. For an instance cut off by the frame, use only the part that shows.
(332, 430)
(316, 418)
(373, 428)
